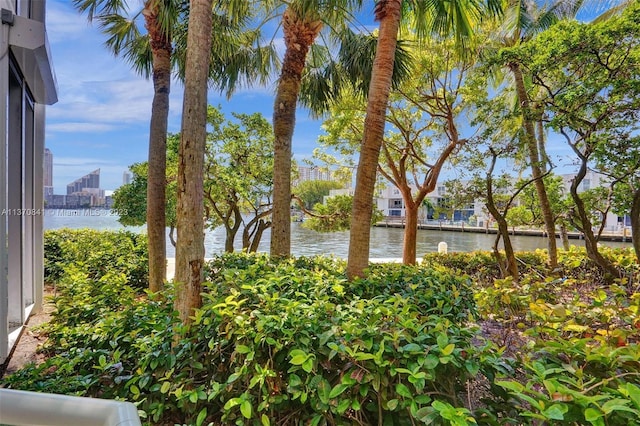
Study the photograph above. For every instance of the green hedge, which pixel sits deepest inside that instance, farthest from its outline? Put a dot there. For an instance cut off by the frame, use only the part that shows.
(277, 343)
(288, 342)
(97, 253)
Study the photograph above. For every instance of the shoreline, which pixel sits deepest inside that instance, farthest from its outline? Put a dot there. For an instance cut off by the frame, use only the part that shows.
(622, 236)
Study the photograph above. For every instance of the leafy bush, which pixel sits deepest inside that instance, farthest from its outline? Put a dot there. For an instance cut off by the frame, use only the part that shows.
(575, 381)
(293, 342)
(97, 253)
(275, 343)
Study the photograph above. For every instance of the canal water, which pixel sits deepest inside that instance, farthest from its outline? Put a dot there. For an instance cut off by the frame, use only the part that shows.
(385, 242)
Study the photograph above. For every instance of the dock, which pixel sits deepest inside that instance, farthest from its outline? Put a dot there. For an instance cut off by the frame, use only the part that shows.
(622, 235)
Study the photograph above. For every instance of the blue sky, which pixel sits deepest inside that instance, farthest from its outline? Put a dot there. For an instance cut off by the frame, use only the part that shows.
(102, 117)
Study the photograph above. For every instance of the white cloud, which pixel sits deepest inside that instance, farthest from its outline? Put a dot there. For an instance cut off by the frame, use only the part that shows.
(105, 102)
(71, 127)
(64, 23)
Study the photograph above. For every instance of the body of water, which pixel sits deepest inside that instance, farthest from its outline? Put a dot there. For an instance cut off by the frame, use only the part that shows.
(385, 242)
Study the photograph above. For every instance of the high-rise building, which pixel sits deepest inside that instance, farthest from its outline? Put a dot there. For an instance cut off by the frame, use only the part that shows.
(92, 180)
(312, 173)
(48, 167)
(88, 186)
(48, 174)
(126, 178)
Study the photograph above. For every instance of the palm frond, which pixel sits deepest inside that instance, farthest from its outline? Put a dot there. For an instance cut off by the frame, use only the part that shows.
(120, 32)
(95, 8)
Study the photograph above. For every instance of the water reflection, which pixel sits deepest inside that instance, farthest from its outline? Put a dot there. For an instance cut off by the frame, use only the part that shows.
(385, 242)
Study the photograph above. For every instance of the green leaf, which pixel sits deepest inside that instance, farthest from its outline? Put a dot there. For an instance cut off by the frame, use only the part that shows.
(443, 340)
(510, 385)
(556, 411)
(404, 391)
(201, 416)
(431, 361)
(412, 347)
(337, 390)
(243, 349)
(617, 404)
(392, 404)
(447, 350)
(307, 365)
(245, 409)
(634, 394)
(472, 367)
(265, 420)
(592, 414)
(343, 405)
(324, 391)
(232, 403)
(298, 357)
(165, 387)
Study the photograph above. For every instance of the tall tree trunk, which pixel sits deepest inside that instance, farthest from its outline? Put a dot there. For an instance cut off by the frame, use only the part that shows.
(410, 233)
(511, 266)
(536, 164)
(635, 223)
(564, 236)
(161, 51)
(232, 230)
(190, 206)
(387, 12)
(299, 35)
(586, 227)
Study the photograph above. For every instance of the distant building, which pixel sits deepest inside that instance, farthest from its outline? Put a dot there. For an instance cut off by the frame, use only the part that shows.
(312, 173)
(90, 181)
(126, 178)
(48, 173)
(85, 188)
(391, 203)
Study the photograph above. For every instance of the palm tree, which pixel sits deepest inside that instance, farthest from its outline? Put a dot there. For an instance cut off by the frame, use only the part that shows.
(302, 22)
(429, 16)
(236, 55)
(190, 207)
(150, 56)
(522, 21)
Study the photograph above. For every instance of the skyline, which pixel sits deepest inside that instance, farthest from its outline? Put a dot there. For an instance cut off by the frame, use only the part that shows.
(102, 117)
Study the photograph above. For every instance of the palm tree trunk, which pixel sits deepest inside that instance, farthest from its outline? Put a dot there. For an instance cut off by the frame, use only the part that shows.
(190, 206)
(299, 35)
(156, 179)
(387, 12)
(536, 164)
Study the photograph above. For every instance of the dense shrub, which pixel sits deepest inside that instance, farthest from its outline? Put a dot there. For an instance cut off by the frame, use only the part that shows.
(275, 343)
(97, 253)
(577, 382)
(281, 342)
